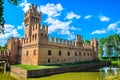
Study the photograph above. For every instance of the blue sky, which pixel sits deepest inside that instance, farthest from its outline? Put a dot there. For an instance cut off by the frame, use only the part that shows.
(66, 18)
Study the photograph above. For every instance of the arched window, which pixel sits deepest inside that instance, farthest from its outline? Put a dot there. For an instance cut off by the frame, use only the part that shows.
(41, 36)
(33, 28)
(35, 36)
(30, 39)
(45, 37)
(24, 40)
(36, 27)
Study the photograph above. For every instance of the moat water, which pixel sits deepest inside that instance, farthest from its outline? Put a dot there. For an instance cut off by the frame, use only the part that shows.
(105, 73)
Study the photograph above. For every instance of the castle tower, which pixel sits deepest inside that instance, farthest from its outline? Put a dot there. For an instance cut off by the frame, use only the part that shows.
(78, 41)
(32, 17)
(95, 41)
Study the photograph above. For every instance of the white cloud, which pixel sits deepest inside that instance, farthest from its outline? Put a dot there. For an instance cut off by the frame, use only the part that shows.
(56, 24)
(72, 15)
(60, 27)
(118, 30)
(51, 10)
(25, 5)
(104, 18)
(99, 32)
(10, 31)
(113, 26)
(88, 16)
(21, 27)
(74, 28)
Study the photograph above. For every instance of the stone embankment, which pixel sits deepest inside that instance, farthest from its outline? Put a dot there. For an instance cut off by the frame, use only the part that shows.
(49, 71)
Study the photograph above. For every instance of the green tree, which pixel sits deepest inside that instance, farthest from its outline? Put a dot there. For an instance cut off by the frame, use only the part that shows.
(2, 48)
(2, 21)
(86, 41)
(116, 43)
(109, 46)
(101, 45)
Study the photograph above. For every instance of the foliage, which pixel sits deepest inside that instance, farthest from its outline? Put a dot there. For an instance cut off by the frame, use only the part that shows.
(2, 21)
(111, 43)
(86, 41)
(3, 47)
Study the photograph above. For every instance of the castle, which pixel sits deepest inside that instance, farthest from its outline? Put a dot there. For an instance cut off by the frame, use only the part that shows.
(36, 49)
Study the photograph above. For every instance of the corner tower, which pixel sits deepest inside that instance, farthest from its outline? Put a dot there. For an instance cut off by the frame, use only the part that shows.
(31, 17)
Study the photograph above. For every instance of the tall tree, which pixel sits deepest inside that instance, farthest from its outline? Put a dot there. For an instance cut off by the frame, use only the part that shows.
(109, 46)
(2, 21)
(101, 45)
(116, 46)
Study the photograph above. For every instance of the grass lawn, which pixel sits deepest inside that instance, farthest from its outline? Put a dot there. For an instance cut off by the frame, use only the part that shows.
(33, 67)
(115, 62)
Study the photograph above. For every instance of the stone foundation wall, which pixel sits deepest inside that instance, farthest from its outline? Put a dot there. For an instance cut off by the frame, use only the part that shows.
(45, 72)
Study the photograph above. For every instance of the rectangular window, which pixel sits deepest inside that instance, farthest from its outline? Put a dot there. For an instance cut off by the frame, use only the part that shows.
(88, 54)
(49, 52)
(75, 53)
(91, 54)
(79, 53)
(26, 53)
(68, 53)
(48, 60)
(34, 52)
(84, 53)
(59, 53)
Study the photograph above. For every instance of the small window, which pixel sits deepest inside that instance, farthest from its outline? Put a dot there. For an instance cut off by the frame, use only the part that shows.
(84, 54)
(36, 26)
(75, 53)
(79, 53)
(59, 53)
(68, 53)
(49, 52)
(88, 54)
(30, 39)
(26, 53)
(34, 52)
(91, 54)
(33, 28)
(48, 60)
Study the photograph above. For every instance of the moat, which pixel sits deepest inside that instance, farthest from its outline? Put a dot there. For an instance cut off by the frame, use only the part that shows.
(104, 73)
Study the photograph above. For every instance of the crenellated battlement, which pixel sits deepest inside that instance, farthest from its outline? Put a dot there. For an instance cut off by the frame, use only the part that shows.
(87, 46)
(30, 40)
(60, 41)
(44, 27)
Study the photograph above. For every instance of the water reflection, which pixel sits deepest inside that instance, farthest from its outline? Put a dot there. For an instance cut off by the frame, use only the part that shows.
(105, 73)
(110, 70)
